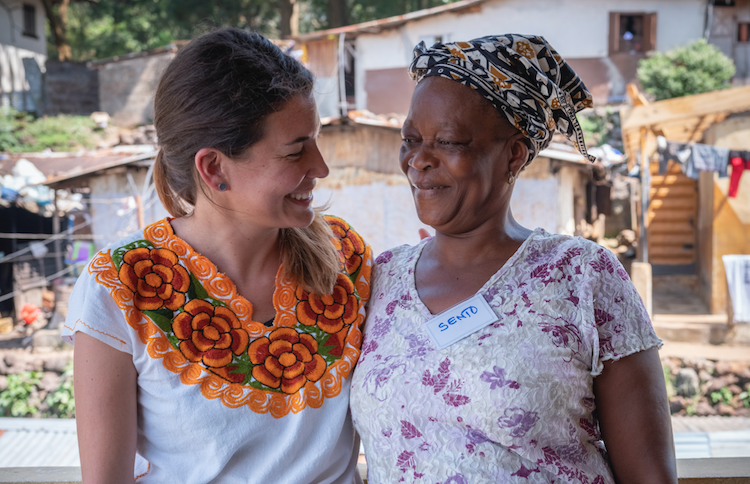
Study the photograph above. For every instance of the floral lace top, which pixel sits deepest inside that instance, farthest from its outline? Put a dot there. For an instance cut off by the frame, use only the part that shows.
(512, 402)
(213, 382)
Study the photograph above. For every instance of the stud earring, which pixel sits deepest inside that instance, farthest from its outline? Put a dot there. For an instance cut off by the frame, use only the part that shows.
(511, 178)
(222, 187)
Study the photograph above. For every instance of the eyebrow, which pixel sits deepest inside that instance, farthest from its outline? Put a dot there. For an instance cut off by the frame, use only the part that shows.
(302, 139)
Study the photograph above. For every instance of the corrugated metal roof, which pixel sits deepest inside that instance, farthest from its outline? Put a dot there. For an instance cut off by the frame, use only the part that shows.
(27, 442)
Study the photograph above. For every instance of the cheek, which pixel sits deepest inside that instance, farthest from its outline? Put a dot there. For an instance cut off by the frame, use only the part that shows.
(403, 159)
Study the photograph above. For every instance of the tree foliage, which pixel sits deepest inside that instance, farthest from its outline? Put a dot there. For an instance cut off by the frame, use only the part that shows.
(692, 69)
(105, 28)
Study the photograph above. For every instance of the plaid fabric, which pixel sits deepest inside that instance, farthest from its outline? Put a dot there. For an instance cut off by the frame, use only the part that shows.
(521, 75)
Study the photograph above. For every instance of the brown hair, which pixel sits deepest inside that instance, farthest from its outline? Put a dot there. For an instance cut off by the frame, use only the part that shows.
(217, 93)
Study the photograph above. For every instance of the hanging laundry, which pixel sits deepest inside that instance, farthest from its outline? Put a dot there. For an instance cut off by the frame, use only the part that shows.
(737, 268)
(671, 151)
(740, 161)
(707, 158)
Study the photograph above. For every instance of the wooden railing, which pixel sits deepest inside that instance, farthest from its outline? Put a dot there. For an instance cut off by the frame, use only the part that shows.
(691, 471)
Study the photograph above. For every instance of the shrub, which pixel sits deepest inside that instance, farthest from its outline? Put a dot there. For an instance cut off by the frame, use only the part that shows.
(20, 132)
(692, 69)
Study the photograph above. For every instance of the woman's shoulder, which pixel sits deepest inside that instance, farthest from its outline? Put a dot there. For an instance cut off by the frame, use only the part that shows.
(541, 239)
(398, 256)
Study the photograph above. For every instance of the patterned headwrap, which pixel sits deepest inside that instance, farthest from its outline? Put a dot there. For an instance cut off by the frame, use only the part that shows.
(521, 75)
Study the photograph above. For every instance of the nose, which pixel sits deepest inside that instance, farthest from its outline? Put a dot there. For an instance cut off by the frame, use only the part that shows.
(318, 167)
(420, 157)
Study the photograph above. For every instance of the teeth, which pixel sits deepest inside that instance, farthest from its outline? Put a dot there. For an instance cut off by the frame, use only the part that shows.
(300, 196)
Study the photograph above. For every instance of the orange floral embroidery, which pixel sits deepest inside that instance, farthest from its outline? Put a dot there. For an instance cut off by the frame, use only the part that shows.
(155, 277)
(286, 359)
(348, 242)
(225, 383)
(330, 312)
(209, 334)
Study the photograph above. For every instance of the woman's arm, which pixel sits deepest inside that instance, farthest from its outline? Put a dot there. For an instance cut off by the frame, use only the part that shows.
(105, 390)
(631, 400)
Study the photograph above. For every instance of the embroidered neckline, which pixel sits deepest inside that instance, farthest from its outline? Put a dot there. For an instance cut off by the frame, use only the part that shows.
(190, 316)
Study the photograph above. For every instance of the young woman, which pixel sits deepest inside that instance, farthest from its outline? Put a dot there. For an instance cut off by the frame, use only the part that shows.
(218, 345)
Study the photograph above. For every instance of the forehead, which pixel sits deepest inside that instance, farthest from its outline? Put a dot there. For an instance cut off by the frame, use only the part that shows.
(297, 117)
(441, 101)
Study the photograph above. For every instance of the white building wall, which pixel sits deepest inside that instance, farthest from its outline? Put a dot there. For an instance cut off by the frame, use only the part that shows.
(17, 88)
(385, 215)
(577, 29)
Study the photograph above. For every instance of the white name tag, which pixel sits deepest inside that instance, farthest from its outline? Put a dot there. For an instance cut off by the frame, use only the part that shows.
(459, 321)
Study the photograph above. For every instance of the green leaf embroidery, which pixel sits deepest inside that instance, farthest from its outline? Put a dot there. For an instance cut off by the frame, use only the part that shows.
(196, 290)
(118, 254)
(162, 318)
(242, 364)
(174, 340)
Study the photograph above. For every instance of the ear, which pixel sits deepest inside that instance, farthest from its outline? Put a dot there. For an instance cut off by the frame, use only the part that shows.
(209, 163)
(519, 154)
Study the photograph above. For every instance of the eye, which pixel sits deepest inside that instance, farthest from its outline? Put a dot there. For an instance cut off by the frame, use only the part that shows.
(295, 155)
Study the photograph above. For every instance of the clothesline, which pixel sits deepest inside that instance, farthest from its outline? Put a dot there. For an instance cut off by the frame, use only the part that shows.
(696, 157)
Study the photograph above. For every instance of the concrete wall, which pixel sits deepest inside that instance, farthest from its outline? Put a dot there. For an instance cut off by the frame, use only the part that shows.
(578, 31)
(70, 88)
(127, 88)
(370, 147)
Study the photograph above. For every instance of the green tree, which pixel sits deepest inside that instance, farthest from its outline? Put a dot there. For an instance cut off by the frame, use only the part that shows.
(692, 69)
(108, 28)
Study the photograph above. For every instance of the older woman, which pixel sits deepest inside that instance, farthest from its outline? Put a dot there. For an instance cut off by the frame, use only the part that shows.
(494, 353)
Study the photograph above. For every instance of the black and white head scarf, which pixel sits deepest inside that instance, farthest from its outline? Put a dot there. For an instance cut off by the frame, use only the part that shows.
(521, 75)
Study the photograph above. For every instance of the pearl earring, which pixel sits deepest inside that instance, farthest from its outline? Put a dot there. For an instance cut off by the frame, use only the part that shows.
(511, 178)
(222, 186)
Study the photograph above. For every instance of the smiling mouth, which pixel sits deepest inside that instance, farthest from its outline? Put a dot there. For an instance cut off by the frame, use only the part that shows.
(428, 187)
(300, 196)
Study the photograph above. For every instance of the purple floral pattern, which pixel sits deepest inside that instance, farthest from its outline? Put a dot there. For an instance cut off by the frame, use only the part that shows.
(512, 402)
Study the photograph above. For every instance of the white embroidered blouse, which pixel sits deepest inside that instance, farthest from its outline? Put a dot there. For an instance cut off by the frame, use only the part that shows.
(512, 402)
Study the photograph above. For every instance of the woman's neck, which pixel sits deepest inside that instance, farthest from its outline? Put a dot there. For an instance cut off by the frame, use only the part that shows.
(236, 247)
(484, 244)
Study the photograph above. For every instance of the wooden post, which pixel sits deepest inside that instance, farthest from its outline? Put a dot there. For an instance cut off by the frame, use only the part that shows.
(139, 210)
(56, 231)
(645, 188)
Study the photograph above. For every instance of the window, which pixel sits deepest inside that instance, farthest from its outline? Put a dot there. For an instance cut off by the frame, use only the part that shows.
(632, 32)
(743, 32)
(29, 20)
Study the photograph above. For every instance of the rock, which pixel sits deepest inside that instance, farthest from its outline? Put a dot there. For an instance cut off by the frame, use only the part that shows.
(721, 382)
(742, 412)
(704, 375)
(46, 340)
(724, 409)
(56, 363)
(735, 389)
(3, 383)
(10, 359)
(727, 367)
(687, 383)
(700, 364)
(703, 408)
(673, 364)
(50, 382)
(677, 404)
